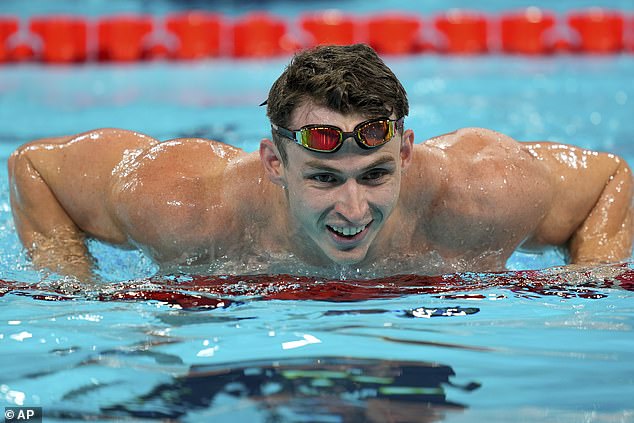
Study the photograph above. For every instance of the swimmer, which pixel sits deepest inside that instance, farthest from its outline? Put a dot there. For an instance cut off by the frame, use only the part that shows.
(339, 185)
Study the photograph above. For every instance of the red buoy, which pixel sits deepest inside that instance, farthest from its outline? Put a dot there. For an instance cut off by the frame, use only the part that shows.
(524, 32)
(8, 27)
(198, 34)
(21, 52)
(123, 38)
(600, 30)
(329, 27)
(64, 38)
(464, 32)
(259, 35)
(394, 33)
(156, 51)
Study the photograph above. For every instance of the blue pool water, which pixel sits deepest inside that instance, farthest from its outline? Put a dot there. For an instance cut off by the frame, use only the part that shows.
(526, 354)
(554, 346)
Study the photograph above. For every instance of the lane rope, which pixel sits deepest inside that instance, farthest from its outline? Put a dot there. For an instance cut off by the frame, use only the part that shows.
(196, 35)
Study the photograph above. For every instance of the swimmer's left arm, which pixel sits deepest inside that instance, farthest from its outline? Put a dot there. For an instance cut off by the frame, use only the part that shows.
(592, 210)
(607, 232)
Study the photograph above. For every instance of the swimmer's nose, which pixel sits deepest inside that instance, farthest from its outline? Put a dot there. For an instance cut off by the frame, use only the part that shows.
(352, 203)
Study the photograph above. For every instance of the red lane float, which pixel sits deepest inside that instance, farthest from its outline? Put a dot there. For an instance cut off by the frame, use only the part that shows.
(21, 52)
(8, 27)
(195, 35)
(395, 34)
(464, 32)
(599, 30)
(259, 35)
(64, 38)
(123, 38)
(329, 27)
(524, 32)
(198, 34)
(157, 51)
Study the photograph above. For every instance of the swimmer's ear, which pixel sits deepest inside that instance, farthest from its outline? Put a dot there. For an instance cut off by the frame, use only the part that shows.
(272, 163)
(407, 149)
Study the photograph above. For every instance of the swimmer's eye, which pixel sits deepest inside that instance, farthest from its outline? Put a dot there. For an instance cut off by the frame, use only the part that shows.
(324, 178)
(376, 175)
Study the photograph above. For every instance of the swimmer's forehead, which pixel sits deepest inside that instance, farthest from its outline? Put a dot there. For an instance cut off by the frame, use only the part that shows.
(310, 113)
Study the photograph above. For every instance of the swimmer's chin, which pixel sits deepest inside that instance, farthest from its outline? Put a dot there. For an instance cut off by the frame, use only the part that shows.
(349, 262)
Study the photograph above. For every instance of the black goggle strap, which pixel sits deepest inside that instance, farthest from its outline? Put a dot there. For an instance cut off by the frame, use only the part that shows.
(287, 133)
(400, 124)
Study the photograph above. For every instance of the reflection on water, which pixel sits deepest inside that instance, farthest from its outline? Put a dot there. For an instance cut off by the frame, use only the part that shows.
(203, 292)
(300, 389)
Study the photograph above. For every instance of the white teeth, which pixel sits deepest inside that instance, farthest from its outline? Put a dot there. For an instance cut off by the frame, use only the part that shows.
(347, 231)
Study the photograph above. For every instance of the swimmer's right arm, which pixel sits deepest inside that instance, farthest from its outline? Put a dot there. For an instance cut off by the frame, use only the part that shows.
(59, 190)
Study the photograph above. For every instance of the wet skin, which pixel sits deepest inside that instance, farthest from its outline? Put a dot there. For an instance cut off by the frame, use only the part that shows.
(462, 201)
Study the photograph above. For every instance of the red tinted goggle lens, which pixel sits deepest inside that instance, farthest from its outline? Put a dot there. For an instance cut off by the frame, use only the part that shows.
(320, 138)
(374, 134)
(328, 138)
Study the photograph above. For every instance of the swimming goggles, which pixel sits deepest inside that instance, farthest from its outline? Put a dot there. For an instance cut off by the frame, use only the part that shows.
(328, 139)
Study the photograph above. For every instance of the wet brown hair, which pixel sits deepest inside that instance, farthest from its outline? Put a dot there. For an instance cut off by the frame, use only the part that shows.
(347, 79)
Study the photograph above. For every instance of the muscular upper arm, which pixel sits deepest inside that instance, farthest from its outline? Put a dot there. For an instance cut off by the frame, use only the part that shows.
(579, 177)
(64, 182)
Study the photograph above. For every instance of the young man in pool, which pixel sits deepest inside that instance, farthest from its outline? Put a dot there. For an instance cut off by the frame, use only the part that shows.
(340, 189)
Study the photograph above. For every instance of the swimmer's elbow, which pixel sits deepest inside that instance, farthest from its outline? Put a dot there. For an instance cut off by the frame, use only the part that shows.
(20, 169)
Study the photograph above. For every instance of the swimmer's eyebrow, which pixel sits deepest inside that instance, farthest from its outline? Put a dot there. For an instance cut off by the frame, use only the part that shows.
(321, 165)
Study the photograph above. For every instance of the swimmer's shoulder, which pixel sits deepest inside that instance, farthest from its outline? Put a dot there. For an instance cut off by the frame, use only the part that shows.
(471, 140)
(180, 157)
(173, 171)
(485, 174)
(484, 153)
(172, 198)
(490, 191)
(193, 151)
(122, 152)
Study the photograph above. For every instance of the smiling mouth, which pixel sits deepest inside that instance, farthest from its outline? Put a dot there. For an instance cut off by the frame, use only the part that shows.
(347, 232)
